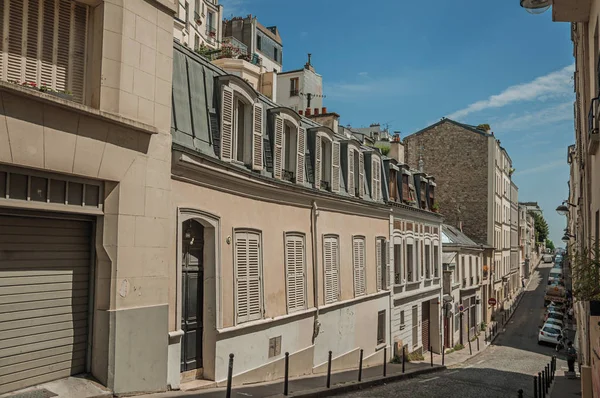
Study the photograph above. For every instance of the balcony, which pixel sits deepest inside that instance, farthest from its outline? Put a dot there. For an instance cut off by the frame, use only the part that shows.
(593, 126)
(240, 47)
(571, 10)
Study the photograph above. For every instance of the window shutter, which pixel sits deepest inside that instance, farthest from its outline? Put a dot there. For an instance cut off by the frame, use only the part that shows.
(359, 266)
(295, 266)
(361, 174)
(63, 45)
(77, 75)
(248, 276)
(378, 261)
(31, 41)
(330, 254)
(378, 174)
(47, 54)
(277, 161)
(318, 162)
(301, 152)
(226, 123)
(350, 185)
(374, 179)
(335, 166)
(15, 41)
(257, 138)
(386, 261)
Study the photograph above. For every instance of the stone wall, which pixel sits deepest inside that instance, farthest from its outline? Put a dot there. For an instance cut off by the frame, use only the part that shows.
(458, 159)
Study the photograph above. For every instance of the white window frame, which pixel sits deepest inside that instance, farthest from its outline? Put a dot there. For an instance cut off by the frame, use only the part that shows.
(250, 317)
(358, 266)
(299, 301)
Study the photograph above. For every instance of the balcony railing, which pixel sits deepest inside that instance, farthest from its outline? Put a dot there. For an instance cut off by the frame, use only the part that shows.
(325, 185)
(288, 175)
(235, 43)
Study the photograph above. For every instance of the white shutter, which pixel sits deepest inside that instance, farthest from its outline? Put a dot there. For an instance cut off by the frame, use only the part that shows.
(15, 42)
(301, 152)
(78, 47)
(350, 185)
(388, 266)
(257, 137)
(318, 162)
(335, 167)
(330, 255)
(375, 179)
(295, 272)
(378, 261)
(31, 30)
(248, 276)
(48, 63)
(361, 174)
(277, 147)
(359, 266)
(226, 123)
(63, 45)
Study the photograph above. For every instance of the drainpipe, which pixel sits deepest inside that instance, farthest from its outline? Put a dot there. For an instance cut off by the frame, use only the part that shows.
(391, 260)
(314, 213)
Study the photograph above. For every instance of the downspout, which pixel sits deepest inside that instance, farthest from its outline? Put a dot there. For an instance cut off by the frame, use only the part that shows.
(314, 213)
(391, 284)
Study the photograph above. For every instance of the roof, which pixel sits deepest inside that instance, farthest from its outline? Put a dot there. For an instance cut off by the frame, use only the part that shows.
(269, 32)
(452, 236)
(446, 120)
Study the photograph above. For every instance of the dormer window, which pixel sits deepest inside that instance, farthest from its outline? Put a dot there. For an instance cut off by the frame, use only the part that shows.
(393, 185)
(323, 151)
(290, 151)
(353, 168)
(423, 195)
(431, 195)
(241, 124)
(288, 139)
(326, 159)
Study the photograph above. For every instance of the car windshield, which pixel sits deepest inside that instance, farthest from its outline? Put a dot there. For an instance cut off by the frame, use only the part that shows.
(551, 330)
(555, 315)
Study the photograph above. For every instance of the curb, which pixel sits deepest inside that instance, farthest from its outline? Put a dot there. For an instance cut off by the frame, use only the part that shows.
(355, 386)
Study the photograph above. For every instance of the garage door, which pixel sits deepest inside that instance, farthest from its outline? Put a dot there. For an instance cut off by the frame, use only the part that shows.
(44, 276)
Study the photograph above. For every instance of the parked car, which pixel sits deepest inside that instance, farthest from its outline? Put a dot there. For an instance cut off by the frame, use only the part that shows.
(549, 334)
(547, 258)
(556, 308)
(554, 323)
(559, 317)
(558, 259)
(555, 274)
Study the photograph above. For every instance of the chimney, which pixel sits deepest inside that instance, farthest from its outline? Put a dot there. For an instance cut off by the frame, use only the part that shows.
(324, 110)
(397, 148)
(300, 112)
(460, 226)
(307, 112)
(316, 111)
(308, 65)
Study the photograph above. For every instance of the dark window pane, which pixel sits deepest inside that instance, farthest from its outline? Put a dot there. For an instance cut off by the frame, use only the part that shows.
(18, 186)
(2, 184)
(39, 189)
(57, 191)
(92, 193)
(75, 194)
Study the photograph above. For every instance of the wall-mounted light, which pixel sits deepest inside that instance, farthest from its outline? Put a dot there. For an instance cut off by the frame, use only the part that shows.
(563, 209)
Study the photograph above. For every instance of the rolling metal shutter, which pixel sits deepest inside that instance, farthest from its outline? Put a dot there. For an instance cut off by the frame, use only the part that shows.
(44, 277)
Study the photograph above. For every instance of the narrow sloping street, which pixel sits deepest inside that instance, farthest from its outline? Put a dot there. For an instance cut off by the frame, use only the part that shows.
(499, 371)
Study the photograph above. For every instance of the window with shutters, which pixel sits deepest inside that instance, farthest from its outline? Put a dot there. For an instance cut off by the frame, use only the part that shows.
(398, 270)
(358, 262)
(288, 146)
(427, 261)
(331, 266)
(381, 263)
(415, 326)
(45, 45)
(381, 327)
(355, 180)
(375, 178)
(436, 261)
(295, 268)
(248, 276)
(241, 127)
(410, 263)
(290, 151)
(323, 163)
(393, 183)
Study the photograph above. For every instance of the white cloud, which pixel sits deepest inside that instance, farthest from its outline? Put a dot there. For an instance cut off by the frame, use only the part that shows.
(552, 85)
(543, 167)
(549, 115)
(363, 73)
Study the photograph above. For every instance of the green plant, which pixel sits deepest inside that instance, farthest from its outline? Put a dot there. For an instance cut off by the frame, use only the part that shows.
(458, 347)
(435, 207)
(483, 127)
(541, 227)
(482, 326)
(511, 171)
(549, 244)
(415, 356)
(385, 149)
(585, 274)
(397, 359)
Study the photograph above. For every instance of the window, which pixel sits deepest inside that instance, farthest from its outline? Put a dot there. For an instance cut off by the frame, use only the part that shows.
(258, 42)
(291, 148)
(248, 276)
(197, 6)
(398, 274)
(415, 326)
(358, 162)
(294, 86)
(276, 54)
(393, 185)
(187, 12)
(462, 270)
(436, 262)
(196, 41)
(331, 265)
(456, 318)
(381, 327)
(54, 55)
(477, 268)
(471, 269)
(381, 264)
(241, 128)
(375, 179)
(295, 265)
(427, 261)
(288, 149)
(323, 164)
(410, 262)
(358, 262)
(210, 25)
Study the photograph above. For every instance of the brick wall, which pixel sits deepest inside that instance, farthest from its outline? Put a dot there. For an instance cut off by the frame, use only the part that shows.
(458, 159)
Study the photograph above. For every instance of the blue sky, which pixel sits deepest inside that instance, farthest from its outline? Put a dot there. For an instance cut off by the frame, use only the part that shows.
(409, 63)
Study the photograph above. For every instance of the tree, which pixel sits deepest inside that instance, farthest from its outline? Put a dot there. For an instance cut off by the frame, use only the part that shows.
(541, 227)
(549, 244)
(483, 127)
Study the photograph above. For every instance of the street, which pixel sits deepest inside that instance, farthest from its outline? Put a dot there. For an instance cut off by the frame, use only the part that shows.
(499, 371)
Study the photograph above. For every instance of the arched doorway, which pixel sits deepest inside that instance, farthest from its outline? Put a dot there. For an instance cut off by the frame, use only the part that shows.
(192, 291)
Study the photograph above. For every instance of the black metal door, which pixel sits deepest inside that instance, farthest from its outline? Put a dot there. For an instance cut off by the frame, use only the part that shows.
(192, 295)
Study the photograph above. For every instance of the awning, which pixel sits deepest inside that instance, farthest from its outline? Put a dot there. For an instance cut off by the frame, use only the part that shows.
(447, 258)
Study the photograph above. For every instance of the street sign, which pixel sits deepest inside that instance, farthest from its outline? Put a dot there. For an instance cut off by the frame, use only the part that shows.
(461, 308)
(492, 301)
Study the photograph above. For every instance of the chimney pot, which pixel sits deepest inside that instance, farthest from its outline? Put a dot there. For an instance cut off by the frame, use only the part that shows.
(324, 110)
(316, 111)
(300, 112)
(307, 111)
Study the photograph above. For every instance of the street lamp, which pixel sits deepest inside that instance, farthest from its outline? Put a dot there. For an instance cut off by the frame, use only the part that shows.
(536, 6)
(563, 210)
(567, 238)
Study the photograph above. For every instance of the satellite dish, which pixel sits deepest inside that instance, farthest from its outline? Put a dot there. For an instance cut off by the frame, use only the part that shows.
(536, 6)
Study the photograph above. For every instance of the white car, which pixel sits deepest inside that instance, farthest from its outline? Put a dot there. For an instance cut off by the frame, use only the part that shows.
(549, 334)
(554, 308)
(547, 258)
(557, 316)
(555, 275)
(555, 323)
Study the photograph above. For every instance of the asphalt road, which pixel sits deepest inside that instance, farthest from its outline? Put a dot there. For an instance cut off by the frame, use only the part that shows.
(501, 370)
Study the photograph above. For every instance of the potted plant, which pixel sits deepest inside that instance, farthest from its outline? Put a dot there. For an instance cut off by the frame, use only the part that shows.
(435, 208)
(31, 85)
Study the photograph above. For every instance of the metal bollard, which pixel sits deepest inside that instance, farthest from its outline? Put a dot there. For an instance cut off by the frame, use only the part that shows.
(540, 385)
(520, 393)
(431, 351)
(384, 361)
(543, 384)
(286, 373)
(229, 376)
(403, 358)
(470, 348)
(329, 371)
(547, 378)
(443, 352)
(477, 343)
(360, 365)
(535, 387)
